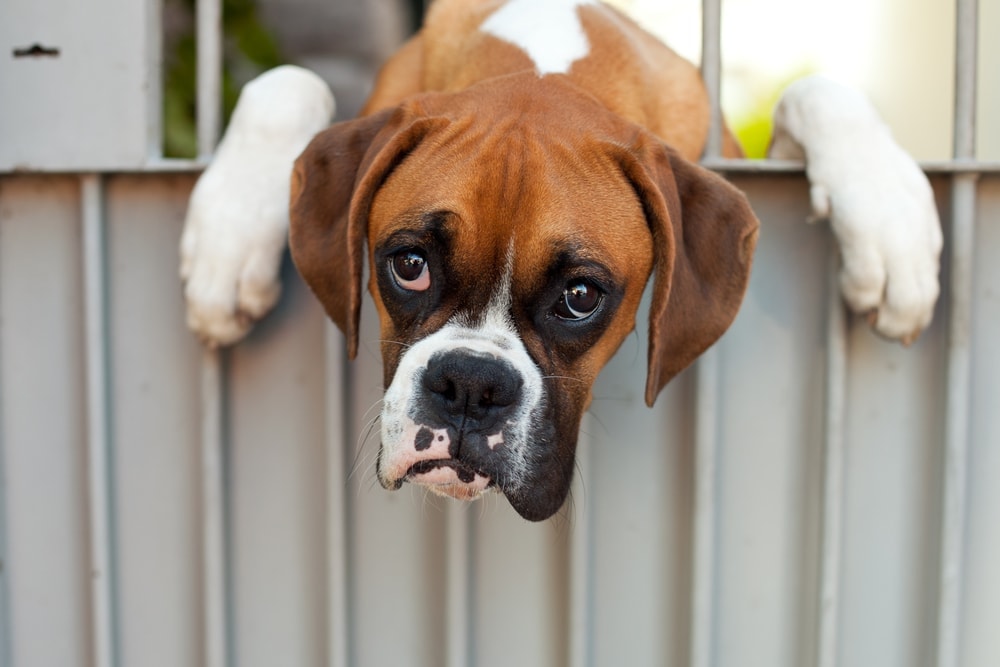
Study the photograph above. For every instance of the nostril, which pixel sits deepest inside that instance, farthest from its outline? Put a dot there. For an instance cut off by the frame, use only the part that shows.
(437, 381)
(502, 393)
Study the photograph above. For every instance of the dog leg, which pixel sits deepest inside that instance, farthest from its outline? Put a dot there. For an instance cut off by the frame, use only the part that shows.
(879, 203)
(237, 220)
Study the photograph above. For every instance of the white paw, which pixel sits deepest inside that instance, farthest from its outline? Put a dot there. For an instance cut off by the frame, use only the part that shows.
(237, 220)
(880, 205)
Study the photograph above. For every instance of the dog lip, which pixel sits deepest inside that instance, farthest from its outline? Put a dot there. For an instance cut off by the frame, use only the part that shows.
(450, 478)
(465, 473)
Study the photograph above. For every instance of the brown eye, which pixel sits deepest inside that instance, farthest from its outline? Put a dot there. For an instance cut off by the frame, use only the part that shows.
(409, 268)
(578, 301)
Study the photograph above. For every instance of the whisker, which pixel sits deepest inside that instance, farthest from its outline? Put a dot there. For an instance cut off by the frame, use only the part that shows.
(610, 399)
(373, 406)
(361, 451)
(562, 377)
(366, 469)
(367, 431)
(599, 422)
(583, 485)
(395, 342)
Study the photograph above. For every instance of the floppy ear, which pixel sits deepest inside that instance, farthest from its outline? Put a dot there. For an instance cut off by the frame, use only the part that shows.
(704, 235)
(333, 184)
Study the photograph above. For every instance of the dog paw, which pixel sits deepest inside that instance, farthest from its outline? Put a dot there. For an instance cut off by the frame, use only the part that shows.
(878, 201)
(237, 219)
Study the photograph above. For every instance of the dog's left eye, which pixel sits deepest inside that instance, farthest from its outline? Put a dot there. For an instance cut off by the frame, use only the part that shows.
(409, 269)
(578, 301)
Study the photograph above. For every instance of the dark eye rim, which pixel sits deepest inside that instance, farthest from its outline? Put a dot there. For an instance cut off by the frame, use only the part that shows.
(576, 316)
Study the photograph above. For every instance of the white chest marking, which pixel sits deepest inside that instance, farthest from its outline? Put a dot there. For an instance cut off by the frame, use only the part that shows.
(548, 31)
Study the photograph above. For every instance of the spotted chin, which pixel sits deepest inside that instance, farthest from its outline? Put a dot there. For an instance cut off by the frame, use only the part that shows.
(450, 478)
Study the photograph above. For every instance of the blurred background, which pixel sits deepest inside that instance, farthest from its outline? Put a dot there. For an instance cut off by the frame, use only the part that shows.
(900, 52)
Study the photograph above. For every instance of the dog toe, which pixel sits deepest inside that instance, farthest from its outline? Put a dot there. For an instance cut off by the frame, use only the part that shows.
(895, 291)
(911, 293)
(862, 278)
(259, 285)
(212, 312)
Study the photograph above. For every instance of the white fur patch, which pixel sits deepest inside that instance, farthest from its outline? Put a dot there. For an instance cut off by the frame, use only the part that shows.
(237, 219)
(549, 31)
(879, 203)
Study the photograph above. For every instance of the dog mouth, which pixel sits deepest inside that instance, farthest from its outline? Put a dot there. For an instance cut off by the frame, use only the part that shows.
(451, 478)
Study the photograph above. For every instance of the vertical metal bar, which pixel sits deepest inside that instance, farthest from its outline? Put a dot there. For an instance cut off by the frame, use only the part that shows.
(581, 595)
(6, 650)
(963, 210)
(338, 596)
(833, 471)
(707, 391)
(711, 72)
(102, 582)
(956, 422)
(703, 561)
(209, 46)
(214, 526)
(154, 78)
(214, 512)
(6, 638)
(459, 599)
(966, 68)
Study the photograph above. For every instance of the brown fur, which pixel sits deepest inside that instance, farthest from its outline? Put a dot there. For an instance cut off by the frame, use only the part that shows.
(448, 113)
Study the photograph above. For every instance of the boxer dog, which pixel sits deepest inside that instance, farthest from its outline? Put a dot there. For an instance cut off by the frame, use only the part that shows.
(520, 171)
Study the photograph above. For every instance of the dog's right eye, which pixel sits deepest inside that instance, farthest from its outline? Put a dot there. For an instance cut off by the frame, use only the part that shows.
(578, 301)
(409, 270)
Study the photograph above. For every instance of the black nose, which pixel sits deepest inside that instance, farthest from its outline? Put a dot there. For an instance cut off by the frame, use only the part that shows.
(464, 383)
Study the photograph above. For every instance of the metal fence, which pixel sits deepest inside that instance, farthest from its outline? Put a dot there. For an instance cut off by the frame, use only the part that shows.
(807, 495)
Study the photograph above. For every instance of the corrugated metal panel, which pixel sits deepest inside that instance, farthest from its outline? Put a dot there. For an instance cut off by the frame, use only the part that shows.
(634, 562)
(155, 415)
(44, 424)
(979, 641)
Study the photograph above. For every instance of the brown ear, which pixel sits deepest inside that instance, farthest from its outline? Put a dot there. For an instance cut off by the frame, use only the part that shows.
(333, 184)
(704, 235)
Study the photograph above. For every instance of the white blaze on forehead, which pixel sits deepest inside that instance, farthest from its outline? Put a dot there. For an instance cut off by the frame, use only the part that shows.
(549, 31)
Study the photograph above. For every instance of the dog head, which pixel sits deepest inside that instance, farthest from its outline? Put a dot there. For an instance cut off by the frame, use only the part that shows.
(510, 230)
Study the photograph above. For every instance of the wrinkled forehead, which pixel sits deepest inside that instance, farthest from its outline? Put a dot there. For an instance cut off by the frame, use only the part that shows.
(496, 202)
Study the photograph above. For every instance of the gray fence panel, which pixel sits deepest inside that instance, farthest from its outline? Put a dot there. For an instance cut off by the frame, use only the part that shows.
(641, 500)
(638, 501)
(771, 414)
(276, 457)
(155, 410)
(44, 426)
(980, 639)
(893, 487)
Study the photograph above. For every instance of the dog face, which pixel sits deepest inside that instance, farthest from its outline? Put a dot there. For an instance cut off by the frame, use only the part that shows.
(511, 229)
